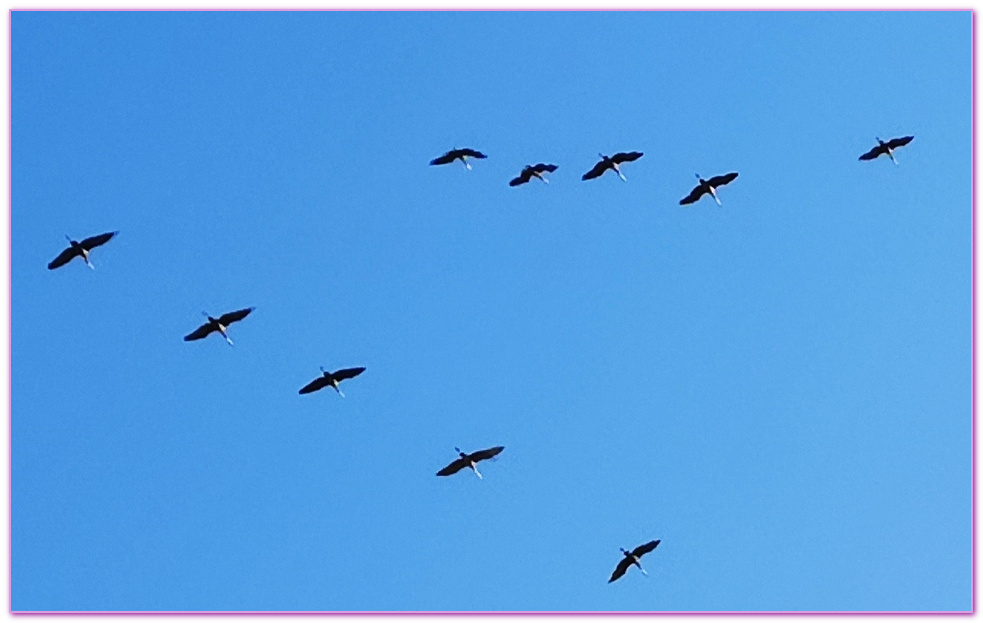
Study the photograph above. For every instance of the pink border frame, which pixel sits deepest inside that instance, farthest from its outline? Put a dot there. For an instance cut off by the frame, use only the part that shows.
(971, 611)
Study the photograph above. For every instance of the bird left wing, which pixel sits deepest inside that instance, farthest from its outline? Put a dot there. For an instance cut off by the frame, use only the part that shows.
(347, 373)
(95, 241)
(453, 468)
(227, 319)
(899, 142)
(626, 156)
(472, 153)
(63, 258)
(597, 171)
(619, 571)
(549, 168)
(200, 332)
(720, 180)
(481, 455)
(693, 196)
(641, 550)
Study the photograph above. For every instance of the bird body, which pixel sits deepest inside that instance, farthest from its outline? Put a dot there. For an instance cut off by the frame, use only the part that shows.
(80, 249)
(220, 325)
(469, 460)
(887, 147)
(458, 154)
(612, 163)
(634, 557)
(536, 170)
(708, 187)
(331, 379)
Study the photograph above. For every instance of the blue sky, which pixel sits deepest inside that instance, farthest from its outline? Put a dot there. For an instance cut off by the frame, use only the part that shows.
(778, 388)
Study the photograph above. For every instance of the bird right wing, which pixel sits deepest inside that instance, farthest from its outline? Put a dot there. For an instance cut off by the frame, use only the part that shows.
(453, 468)
(315, 385)
(200, 332)
(597, 171)
(524, 177)
(229, 318)
(641, 550)
(899, 142)
(445, 159)
(549, 168)
(471, 153)
(620, 569)
(693, 196)
(626, 157)
(63, 258)
(481, 455)
(90, 243)
(873, 153)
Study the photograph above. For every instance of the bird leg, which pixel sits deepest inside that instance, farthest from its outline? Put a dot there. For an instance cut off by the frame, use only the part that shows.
(620, 174)
(891, 156)
(474, 468)
(338, 389)
(85, 256)
(467, 164)
(225, 335)
(713, 193)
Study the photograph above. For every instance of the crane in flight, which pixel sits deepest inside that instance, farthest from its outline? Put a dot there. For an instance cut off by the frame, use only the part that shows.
(459, 154)
(80, 249)
(707, 187)
(536, 170)
(633, 558)
(469, 460)
(887, 148)
(612, 164)
(331, 379)
(220, 324)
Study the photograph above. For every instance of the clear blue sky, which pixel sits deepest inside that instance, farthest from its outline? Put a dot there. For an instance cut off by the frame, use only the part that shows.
(778, 389)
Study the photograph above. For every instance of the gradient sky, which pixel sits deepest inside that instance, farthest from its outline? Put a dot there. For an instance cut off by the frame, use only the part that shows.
(778, 389)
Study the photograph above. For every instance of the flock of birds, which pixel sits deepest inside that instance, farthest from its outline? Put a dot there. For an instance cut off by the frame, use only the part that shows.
(221, 324)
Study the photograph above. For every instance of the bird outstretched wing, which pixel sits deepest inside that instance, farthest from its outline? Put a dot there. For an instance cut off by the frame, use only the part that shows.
(875, 152)
(641, 550)
(899, 142)
(347, 373)
(200, 332)
(694, 195)
(541, 167)
(445, 159)
(64, 257)
(481, 455)
(470, 153)
(315, 385)
(524, 177)
(229, 318)
(720, 180)
(622, 156)
(90, 243)
(454, 467)
(619, 571)
(597, 171)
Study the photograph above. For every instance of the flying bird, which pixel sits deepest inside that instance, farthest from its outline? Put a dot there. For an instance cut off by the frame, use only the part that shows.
(531, 171)
(633, 558)
(887, 148)
(220, 324)
(459, 154)
(612, 163)
(708, 187)
(80, 249)
(469, 460)
(331, 379)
